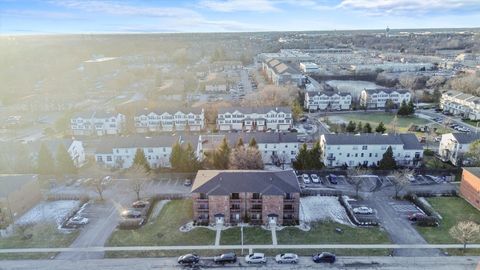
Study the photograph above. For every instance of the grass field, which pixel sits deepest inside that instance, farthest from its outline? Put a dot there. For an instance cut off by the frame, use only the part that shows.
(452, 210)
(165, 229)
(324, 233)
(43, 236)
(251, 235)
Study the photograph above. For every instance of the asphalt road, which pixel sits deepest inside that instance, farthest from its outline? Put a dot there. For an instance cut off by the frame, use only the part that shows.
(389, 263)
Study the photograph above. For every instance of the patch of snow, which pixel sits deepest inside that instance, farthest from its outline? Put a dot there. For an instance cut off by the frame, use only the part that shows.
(322, 208)
(51, 211)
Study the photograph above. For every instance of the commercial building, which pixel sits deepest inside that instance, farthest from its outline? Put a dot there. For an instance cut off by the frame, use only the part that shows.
(453, 147)
(323, 100)
(470, 186)
(256, 197)
(368, 149)
(377, 98)
(254, 119)
(97, 123)
(170, 120)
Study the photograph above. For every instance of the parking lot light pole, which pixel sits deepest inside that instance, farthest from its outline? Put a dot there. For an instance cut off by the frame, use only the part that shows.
(241, 235)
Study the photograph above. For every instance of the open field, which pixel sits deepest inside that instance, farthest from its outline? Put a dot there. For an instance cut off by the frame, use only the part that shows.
(324, 233)
(251, 235)
(42, 235)
(452, 210)
(164, 230)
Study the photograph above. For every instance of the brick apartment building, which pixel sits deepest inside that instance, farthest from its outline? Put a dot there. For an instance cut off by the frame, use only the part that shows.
(470, 186)
(255, 197)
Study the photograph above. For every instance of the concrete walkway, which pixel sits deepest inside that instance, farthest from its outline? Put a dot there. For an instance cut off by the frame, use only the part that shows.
(274, 236)
(218, 235)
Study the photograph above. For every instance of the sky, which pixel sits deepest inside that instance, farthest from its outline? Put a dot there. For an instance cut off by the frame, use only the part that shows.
(128, 16)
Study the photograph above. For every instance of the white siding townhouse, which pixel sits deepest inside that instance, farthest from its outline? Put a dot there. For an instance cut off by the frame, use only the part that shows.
(282, 73)
(254, 119)
(461, 104)
(276, 148)
(97, 123)
(368, 149)
(169, 120)
(119, 152)
(327, 101)
(453, 146)
(376, 98)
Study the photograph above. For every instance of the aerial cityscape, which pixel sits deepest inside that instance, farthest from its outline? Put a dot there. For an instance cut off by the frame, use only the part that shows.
(230, 134)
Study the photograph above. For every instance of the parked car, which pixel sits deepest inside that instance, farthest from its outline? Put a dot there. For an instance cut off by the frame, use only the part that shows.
(315, 178)
(363, 210)
(411, 178)
(131, 214)
(326, 257)
(416, 216)
(106, 180)
(230, 257)
(306, 178)
(256, 258)
(188, 259)
(76, 222)
(332, 178)
(187, 182)
(286, 258)
(139, 204)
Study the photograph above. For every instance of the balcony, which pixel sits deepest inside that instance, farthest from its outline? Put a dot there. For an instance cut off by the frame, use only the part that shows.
(202, 209)
(202, 200)
(289, 200)
(237, 201)
(256, 201)
(290, 210)
(256, 210)
(331, 158)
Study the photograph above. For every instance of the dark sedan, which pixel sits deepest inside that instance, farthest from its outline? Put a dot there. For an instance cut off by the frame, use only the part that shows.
(188, 259)
(324, 257)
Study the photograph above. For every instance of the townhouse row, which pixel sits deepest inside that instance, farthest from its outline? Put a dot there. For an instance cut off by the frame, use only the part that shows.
(461, 104)
(228, 119)
(453, 147)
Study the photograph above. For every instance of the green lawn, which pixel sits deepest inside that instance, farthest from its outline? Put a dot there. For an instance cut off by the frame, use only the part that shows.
(452, 210)
(43, 236)
(471, 122)
(324, 233)
(403, 123)
(251, 235)
(432, 162)
(164, 230)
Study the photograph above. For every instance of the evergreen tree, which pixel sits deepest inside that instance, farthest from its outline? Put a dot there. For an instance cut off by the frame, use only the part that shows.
(315, 158)
(221, 156)
(359, 127)
(64, 162)
(302, 158)
(191, 163)
(176, 156)
(389, 105)
(380, 128)
(351, 127)
(239, 143)
(253, 143)
(367, 128)
(45, 163)
(140, 160)
(411, 108)
(403, 110)
(387, 162)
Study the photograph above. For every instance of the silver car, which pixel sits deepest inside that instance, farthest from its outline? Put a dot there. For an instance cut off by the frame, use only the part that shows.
(286, 258)
(256, 258)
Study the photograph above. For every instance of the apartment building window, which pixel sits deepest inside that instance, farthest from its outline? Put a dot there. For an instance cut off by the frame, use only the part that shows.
(235, 196)
(109, 158)
(256, 196)
(289, 196)
(376, 154)
(99, 159)
(203, 196)
(370, 155)
(348, 154)
(361, 155)
(364, 147)
(356, 154)
(235, 206)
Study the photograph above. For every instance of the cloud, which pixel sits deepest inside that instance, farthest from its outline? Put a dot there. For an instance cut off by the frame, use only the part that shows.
(410, 7)
(39, 14)
(239, 5)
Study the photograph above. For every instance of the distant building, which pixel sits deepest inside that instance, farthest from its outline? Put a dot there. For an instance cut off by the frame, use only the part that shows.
(307, 67)
(390, 67)
(169, 120)
(461, 104)
(368, 149)
(254, 119)
(470, 186)
(97, 123)
(19, 193)
(257, 197)
(377, 98)
(453, 147)
(119, 152)
(327, 101)
(276, 148)
(281, 73)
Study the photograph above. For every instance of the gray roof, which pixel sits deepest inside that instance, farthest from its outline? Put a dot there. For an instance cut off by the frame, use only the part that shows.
(94, 114)
(170, 111)
(465, 138)
(386, 90)
(408, 140)
(219, 182)
(327, 93)
(247, 110)
(212, 141)
(107, 145)
(12, 182)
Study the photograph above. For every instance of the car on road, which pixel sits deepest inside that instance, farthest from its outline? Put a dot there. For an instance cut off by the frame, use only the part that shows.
(230, 257)
(315, 178)
(306, 178)
(363, 210)
(416, 216)
(332, 178)
(76, 222)
(188, 259)
(286, 258)
(324, 257)
(256, 258)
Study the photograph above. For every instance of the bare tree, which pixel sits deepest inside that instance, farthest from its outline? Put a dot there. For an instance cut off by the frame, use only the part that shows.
(400, 180)
(271, 95)
(138, 177)
(354, 174)
(99, 186)
(246, 158)
(465, 232)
